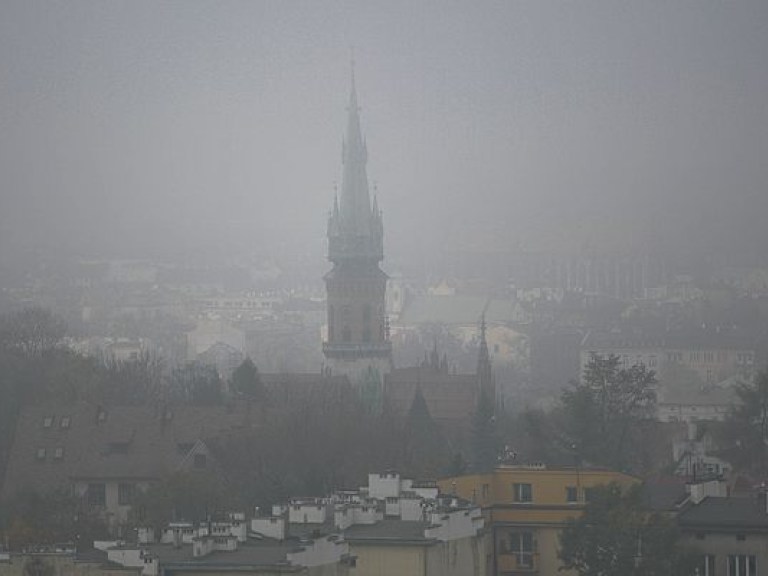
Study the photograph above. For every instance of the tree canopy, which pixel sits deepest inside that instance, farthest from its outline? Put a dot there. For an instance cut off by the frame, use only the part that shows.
(616, 537)
(747, 426)
(602, 414)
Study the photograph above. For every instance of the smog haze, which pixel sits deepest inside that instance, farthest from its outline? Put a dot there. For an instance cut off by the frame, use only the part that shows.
(146, 129)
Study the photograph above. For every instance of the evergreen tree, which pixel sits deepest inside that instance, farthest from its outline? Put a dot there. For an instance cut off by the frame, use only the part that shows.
(247, 380)
(485, 441)
(603, 414)
(425, 449)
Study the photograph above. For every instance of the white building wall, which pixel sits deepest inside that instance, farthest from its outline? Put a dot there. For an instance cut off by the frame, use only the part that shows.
(367, 515)
(392, 506)
(272, 527)
(386, 485)
(411, 509)
(135, 558)
(328, 550)
(307, 513)
(428, 493)
(455, 525)
(343, 517)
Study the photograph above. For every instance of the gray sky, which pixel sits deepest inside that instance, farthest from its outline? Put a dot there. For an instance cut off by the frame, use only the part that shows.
(217, 126)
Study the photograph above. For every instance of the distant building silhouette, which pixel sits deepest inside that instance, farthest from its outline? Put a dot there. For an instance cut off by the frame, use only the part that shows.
(357, 344)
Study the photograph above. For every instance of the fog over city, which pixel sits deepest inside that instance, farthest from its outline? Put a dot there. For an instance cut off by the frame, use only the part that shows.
(383, 288)
(212, 129)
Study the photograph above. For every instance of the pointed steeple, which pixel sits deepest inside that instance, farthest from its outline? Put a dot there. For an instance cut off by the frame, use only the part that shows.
(355, 200)
(359, 231)
(359, 344)
(484, 367)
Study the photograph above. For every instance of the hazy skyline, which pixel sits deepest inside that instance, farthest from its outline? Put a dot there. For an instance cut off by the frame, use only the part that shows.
(135, 128)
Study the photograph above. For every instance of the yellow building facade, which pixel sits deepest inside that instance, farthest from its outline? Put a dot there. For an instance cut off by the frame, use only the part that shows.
(526, 508)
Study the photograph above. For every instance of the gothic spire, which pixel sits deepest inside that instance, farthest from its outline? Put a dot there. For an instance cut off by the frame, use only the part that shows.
(355, 205)
(484, 367)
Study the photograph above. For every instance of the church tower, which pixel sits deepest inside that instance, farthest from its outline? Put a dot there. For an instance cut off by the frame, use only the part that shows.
(358, 336)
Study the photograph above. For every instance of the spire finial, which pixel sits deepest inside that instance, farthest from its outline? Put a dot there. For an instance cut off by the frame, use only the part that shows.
(352, 87)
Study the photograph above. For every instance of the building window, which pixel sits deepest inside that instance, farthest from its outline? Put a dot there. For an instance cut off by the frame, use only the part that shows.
(41, 453)
(65, 421)
(522, 492)
(97, 494)
(571, 494)
(742, 565)
(58, 453)
(125, 493)
(706, 566)
(521, 545)
(486, 491)
(200, 461)
(47, 421)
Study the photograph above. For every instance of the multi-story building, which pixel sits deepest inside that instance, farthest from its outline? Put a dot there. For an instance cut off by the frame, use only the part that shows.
(730, 533)
(526, 507)
(391, 526)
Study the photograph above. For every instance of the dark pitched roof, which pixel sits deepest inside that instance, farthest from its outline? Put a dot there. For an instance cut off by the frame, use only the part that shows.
(727, 514)
(253, 553)
(388, 532)
(450, 398)
(287, 387)
(55, 444)
(662, 496)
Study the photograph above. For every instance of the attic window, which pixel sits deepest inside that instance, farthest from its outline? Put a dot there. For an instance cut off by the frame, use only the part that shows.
(58, 453)
(47, 421)
(41, 453)
(65, 421)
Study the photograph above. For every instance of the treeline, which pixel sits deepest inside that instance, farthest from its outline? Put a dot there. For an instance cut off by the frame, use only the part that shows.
(321, 440)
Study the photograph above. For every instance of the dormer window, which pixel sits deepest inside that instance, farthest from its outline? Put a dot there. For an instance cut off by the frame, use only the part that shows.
(47, 421)
(65, 421)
